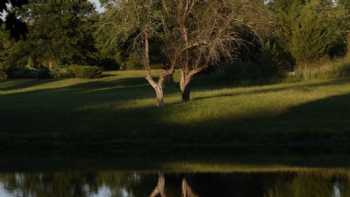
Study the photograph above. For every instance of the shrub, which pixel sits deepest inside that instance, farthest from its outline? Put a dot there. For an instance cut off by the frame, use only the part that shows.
(133, 64)
(87, 72)
(43, 73)
(61, 72)
(3, 76)
(29, 72)
(324, 69)
(73, 71)
(274, 52)
(245, 73)
(311, 29)
(108, 64)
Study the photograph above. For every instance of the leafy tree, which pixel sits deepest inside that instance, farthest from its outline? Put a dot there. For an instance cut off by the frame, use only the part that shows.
(16, 26)
(4, 45)
(344, 3)
(303, 185)
(59, 32)
(309, 29)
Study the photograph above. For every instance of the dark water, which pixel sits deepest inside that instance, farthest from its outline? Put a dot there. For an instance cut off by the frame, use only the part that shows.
(137, 184)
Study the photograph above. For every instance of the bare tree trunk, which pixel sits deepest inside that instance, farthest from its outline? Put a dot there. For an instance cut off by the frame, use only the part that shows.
(158, 86)
(158, 89)
(187, 190)
(185, 81)
(160, 187)
(160, 96)
(185, 86)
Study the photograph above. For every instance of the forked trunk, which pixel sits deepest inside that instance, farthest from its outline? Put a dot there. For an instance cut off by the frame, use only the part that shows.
(159, 95)
(159, 190)
(158, 89)
(186, 93)
(185, 86)
(187, 190)
(158, 86)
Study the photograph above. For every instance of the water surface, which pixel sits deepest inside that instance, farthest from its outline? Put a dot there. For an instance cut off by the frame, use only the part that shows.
(324, 183)
(174, 175)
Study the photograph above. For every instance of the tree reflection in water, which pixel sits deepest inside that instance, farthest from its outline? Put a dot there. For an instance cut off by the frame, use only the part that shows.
(133, 184)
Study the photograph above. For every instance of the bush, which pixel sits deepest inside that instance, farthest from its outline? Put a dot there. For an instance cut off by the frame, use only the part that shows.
(61, 72)
(88, 72)
(324, 69)
(108, 64)
(245, 73)
(274, 52)
(311, 29)
(43, 73)
(133, 64)
(76, 71)
(73, 71)
(29, 72)
(3, 76)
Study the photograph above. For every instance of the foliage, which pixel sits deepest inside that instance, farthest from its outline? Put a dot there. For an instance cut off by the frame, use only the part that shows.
(133, 63)
(244, 73)
(344, 3)
(58, 33)
(72, 71)
(29, 72)
(274, 37)
(273, 52)
(310, 29)
(13, 23)
(5, 44)
(323, 69)
(88, 72)
(60, 72)
(3, 75)
(122, 39)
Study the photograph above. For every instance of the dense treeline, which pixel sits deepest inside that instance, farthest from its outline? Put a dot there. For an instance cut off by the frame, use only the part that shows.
(276, 37)
(60, 34)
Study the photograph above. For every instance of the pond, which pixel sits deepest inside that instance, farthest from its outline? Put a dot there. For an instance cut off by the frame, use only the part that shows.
(139, 184)
(131, 175)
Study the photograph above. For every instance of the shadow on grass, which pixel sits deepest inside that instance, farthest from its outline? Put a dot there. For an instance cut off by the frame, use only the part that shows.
(23, 83)
(55, 120)
(72, 97)
(300, 87)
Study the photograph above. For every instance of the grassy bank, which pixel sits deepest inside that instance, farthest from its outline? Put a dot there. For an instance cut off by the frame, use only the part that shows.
(117, 113)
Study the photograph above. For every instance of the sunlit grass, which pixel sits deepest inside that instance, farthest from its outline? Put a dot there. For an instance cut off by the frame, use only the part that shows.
(231, 167)
(119, 108)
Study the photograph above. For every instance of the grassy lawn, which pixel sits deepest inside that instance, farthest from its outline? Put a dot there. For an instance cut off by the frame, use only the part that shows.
(117, 112)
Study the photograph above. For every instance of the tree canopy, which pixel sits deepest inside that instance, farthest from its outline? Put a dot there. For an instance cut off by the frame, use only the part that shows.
(59, 33)
(13, 24)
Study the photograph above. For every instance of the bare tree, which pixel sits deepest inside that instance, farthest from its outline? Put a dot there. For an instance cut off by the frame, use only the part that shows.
(139, 20)
(194, 34)
(205, 35)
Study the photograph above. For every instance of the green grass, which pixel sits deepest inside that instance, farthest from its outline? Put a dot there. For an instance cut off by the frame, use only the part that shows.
(117, 113)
